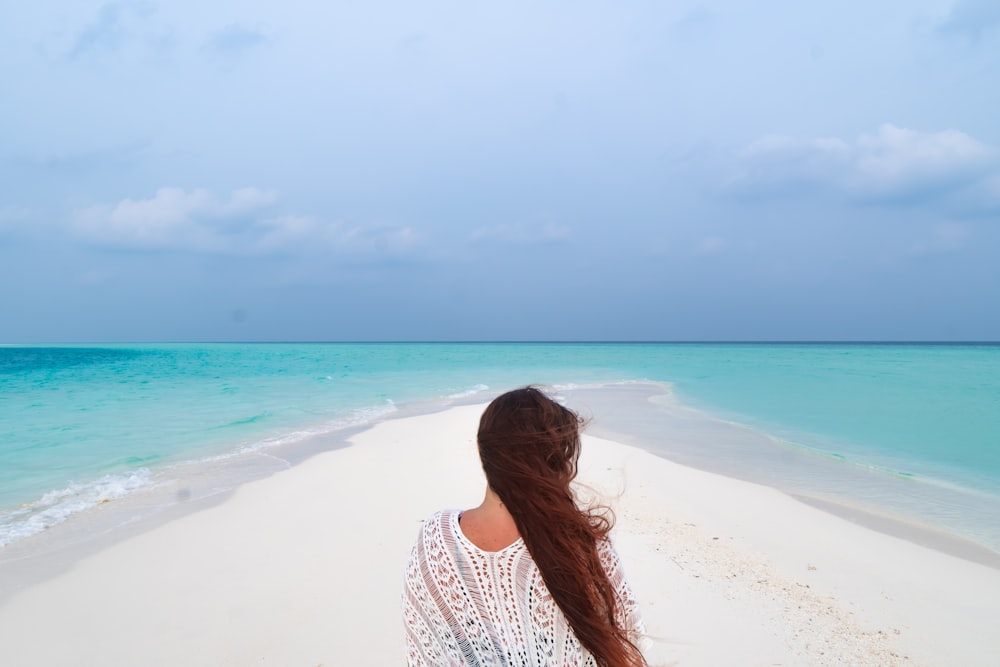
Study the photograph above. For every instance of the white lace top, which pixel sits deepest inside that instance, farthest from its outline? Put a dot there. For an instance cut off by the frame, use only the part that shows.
(466, 607)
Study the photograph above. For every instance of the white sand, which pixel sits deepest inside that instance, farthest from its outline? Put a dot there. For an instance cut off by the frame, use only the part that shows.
(304, 568)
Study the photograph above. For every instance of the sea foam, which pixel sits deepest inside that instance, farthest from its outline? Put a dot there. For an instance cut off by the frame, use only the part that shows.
(56, 506)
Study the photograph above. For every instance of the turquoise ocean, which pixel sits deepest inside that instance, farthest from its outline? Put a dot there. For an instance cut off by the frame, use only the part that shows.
(84, 425)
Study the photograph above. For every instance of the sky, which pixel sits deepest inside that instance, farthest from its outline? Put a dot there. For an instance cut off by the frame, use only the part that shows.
(585, 170)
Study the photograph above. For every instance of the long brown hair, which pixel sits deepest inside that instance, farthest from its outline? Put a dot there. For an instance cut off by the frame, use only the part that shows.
(529, 446)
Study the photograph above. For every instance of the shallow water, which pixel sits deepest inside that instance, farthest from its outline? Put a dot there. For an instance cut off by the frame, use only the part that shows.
(913, 429)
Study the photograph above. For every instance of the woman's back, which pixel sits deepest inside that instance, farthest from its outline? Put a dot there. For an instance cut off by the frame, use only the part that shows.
(466, 606)
(554, 594)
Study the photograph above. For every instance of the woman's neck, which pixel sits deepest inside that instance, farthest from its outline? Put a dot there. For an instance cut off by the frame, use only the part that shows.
(492, 503)
(489, 526)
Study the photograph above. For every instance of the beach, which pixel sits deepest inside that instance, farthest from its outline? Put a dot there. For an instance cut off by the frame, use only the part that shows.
(304, 567)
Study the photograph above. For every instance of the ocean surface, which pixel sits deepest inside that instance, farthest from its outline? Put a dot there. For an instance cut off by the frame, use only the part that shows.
(913, 429)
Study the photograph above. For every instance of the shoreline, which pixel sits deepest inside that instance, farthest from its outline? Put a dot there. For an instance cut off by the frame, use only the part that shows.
(104, 525)
(947, 543)
(304, 567)
(910, 508)
(262, 395)
(201, 484)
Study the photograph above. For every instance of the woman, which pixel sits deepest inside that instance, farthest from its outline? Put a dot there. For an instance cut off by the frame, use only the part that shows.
(527, 578)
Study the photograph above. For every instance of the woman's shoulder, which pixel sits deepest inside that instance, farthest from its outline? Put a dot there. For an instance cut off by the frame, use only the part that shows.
(439, 522)
(441, 516)
(434, 532)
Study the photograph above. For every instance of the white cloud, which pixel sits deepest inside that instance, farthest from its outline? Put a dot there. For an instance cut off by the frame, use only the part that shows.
(897, 160)
(242, 223)
(176, 219)
(893, 164)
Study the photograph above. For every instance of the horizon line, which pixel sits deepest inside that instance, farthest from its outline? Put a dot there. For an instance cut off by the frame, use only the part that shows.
(735, 341)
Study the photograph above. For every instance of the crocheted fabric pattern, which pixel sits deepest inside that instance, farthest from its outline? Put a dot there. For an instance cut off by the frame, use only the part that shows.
(465, 607)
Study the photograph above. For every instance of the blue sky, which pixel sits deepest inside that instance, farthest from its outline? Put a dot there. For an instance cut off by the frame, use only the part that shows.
(495, 171)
